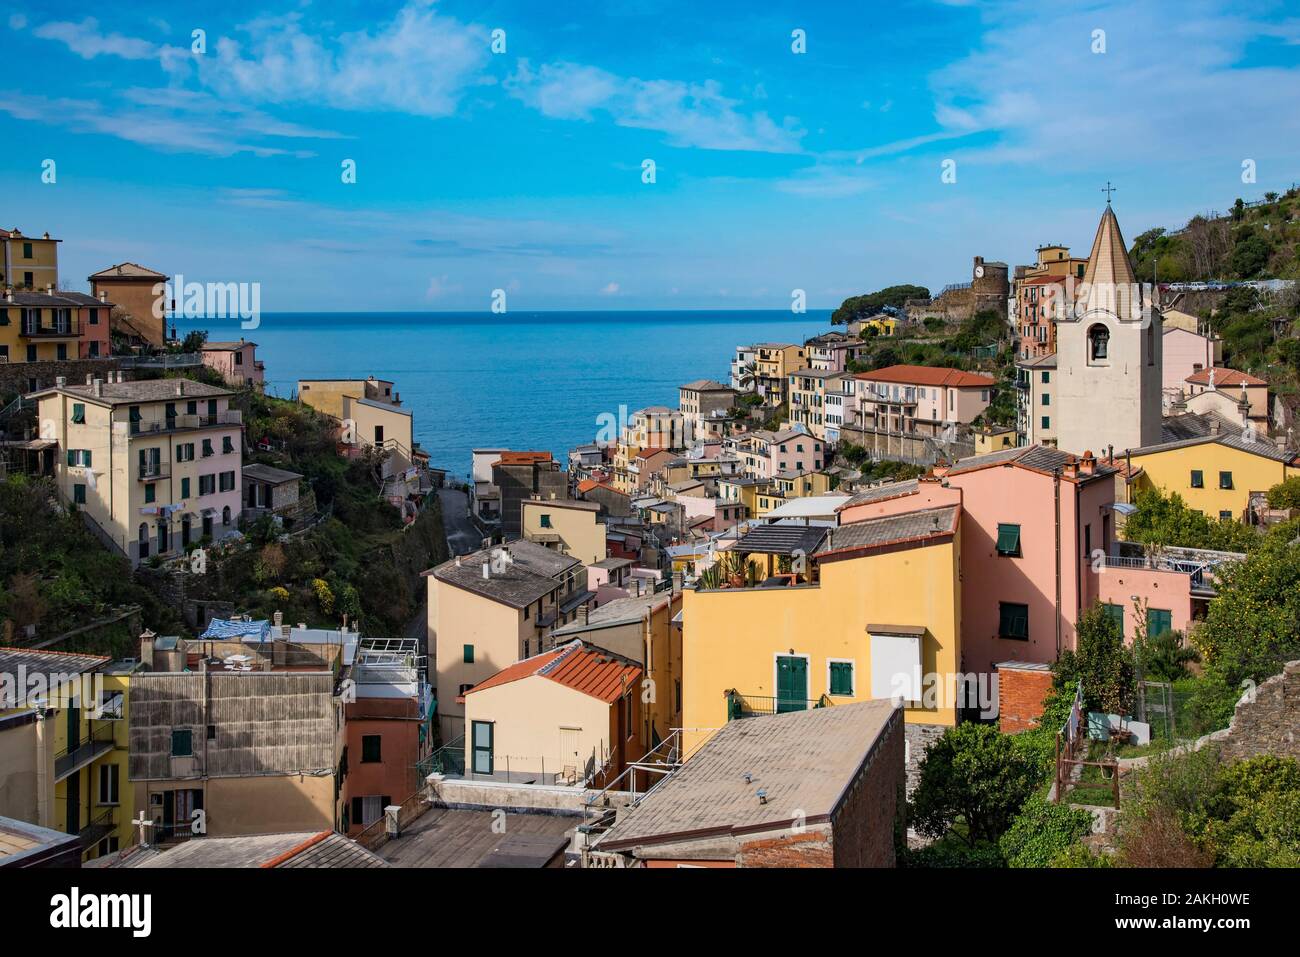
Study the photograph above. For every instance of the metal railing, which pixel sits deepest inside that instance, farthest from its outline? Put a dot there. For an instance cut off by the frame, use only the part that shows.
(448, 759)
(753, 706)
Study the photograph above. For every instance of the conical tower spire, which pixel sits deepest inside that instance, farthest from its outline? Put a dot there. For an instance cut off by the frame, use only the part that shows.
(1110, 278)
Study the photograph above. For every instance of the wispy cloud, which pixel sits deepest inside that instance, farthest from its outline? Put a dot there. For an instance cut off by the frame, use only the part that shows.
(690, 114)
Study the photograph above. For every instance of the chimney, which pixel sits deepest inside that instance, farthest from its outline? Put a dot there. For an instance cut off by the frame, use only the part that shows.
(49, 289)
(1214, 425)
(60, 381)
(277, 619)
(103, 295)
(180, 386)
(1088, 464)
(90, 378)
(487, 570)
(99, 388)
(1071, 468)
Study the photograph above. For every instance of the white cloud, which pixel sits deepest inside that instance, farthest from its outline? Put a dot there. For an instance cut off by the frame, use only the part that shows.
(419, 62)
(87, 41)
(691, 114)
(609, 289)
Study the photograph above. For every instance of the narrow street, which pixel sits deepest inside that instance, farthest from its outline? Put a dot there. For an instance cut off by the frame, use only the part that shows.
(463, 535)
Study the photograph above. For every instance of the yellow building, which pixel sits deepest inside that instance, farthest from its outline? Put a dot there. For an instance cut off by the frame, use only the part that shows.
(29, 262)
(568, 526)
(155, 464)
(773, 363)
(1215, 465)
(883, 326)
(807, 390)
(883, 614)
(63, 745)
(994, 439)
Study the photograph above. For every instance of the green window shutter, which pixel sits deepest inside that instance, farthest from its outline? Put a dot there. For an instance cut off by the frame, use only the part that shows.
(1116, 614)
(185, 488)
(182, 744)
(227, 444)
(79, 494)
(149, 492)
(1009, 540)
(469, 654)
(85, 458)
(207, 447)
(841, 677)
(78, 412)
(72, 456)
(1159, 621)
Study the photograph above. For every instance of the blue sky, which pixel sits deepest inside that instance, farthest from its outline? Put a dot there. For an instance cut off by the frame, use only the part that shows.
(522, 170)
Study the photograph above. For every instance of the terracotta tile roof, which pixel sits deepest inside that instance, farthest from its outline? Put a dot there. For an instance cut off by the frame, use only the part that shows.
(523, 458)
(586, 668)
(1043, 280)
(928, 375)
(586, 485)
(1224, 377)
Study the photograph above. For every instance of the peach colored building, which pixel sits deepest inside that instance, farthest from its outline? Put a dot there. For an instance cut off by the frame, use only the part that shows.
(1036, 300)
(140, 298)
(236, 362)
(1033, 516)
(922, 399)
(1186, 353)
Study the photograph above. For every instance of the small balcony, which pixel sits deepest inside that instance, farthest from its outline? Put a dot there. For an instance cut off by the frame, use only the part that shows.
(58, 330)
(153, 471)
(183, 423)
(754, 706)
(100, 741)
(99, 827)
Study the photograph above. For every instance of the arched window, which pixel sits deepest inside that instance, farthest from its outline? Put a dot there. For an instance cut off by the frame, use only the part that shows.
(225, 515)
(1098, 343)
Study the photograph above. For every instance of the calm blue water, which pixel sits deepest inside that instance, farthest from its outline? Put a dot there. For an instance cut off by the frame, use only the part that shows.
(522, 380)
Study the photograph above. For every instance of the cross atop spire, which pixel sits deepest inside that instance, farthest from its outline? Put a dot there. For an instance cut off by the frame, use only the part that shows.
(1108, 189)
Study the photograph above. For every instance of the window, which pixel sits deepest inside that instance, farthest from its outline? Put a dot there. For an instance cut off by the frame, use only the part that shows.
(94, 318)
(109, 776)
(546, 521)
(185, 488)
(1225, 480)
(227, 444)
(1013, 621)
(1098, 343)
(379, 435)
(1225, 515)
(150, 492)
(78, 412)
(183, 744)
(79, 458)
(207, 484)
(841, 677)
(207, 447)
(1159, 621)
(79, 494)
(1047, 398)
(469, 654)
(227, 481)
(1116, 614)
(481, 736)
(212, 732)
(31, 353)
(239, 358)
(371, 748)
(1198, 478)
(185, 452)
(1009, 541)
(1047, 422)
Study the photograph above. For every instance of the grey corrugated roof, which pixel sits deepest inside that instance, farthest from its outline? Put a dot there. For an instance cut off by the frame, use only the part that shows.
(620, 611)
(47, 663)
(269, 473)
(706, 385)
(257, 850)
(805, 761)
(533, 572)
(781, 539)
(880, 492)
(143, 390)
(893, 528)
(1191, 428)
(1042, 458)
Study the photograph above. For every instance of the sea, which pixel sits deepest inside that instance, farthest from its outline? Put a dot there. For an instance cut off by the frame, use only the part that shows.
(522, 380)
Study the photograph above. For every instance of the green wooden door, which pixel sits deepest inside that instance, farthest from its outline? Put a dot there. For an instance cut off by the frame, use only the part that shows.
(791, 684)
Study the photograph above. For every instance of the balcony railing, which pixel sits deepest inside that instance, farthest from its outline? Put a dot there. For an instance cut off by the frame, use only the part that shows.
(753, 706)
(153, 471)
(99, 827)
(449, 759)
(178, 423)
(98, 742)
(60, 330)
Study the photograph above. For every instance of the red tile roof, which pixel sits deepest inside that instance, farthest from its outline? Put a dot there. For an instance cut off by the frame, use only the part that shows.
(586, 485)
(928, 375)
(1044, 280)
(586, 668)
(523, 458)
(1224, 377)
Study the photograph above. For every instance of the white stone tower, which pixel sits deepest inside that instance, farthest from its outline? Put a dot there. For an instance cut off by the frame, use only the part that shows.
(1108, 355)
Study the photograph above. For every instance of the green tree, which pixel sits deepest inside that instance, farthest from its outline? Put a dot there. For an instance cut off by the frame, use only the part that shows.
(1162, 520)
(863, 307)
(1100, 660)
(1285, 494)
(1042, 832)
(976, 775)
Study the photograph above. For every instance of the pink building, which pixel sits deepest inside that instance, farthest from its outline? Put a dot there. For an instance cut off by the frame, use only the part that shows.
(920, 399)
(1026, 551)
(1170, 590)
(236, 362)
(1183, 354)
(764, 454)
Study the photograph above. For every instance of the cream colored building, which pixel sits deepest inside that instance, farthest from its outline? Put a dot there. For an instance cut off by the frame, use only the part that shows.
(568, 526)
(566, 716)
(492, 608)
(155, 464)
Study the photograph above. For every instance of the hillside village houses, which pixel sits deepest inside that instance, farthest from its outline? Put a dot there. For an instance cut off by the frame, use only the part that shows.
(703, 591)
